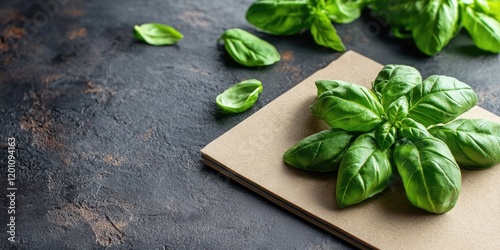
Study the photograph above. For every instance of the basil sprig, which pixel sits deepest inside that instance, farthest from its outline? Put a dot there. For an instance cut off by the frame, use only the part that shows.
(403, 126)
(432, 24)
(157, 34)
(248, 49)
(289, 17)
(240, 97)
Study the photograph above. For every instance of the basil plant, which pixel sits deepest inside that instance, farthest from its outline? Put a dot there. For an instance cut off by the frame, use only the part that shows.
(404, 126)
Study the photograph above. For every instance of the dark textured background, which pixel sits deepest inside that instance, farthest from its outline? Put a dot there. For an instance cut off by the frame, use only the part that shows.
(109, 129)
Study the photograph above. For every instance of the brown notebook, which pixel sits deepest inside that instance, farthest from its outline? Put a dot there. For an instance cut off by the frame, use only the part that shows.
(251, 154)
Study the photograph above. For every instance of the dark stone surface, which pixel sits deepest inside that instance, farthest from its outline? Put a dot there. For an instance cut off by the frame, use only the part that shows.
(109, 129)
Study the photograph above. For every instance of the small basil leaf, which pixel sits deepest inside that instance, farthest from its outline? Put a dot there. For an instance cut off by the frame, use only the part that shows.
(349, 107)
(364, 171)
(484, 30)
(157, 34)
(385, 135)
(240, 97)
(248, 49)
(325, 85)
(440, 99)
(394, 81)
(437, 24)
(475, 143)
(410, 129)
(344, 11)
(321, 152)
(430, 175)
(325, 34)
(398, 110)
(279, 17)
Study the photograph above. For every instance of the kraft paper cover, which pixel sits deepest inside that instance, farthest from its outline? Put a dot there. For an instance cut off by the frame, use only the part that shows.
(251, 154)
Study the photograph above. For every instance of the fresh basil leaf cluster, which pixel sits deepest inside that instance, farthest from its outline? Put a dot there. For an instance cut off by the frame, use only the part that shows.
(248, 49)
(431, 23)
(289, 17)
(240, 97)
(434, 23)
(405, 125)
(157, 34)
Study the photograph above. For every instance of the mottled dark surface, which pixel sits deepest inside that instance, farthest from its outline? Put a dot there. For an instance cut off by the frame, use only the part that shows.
(109, 129)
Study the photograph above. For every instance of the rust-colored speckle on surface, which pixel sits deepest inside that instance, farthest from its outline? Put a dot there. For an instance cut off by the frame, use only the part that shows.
(106, 231)
(39, 122)
(77, 33)
(102, 94)
(148, 134)
(92, 89)
(73, 12)
(51, 78)
(13, 32)
(4, 46)
(287, 56)
(114, 160)
(195, 18)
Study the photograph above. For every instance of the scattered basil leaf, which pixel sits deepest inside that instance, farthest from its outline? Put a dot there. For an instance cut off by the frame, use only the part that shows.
(157, 34)
(248, 49)
(484, 30)
(436, 25)
(430, 175)
(349, 107)
(279, 17)
(320, 152)
(240, 97)
(440, 99)
(385, 136)
(325, 34)
(364, 171)
(475, 143)
(325, 85)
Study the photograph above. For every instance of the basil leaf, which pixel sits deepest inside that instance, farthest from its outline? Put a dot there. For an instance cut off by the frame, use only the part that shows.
(494, 10)
(325, 85)
(157, 34)
(437, 24)
(248, 49)
(349, 107)
(279, 17)
(344, 11)
(398, 12)
(325, 34)
(398, 110)
(364, 171)
(394, 81)
(321, 152)
(240, 97)
(430, 175)
(440, 99)
(385, 135)
(475, 144)
(484, 30)
(410, 129)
